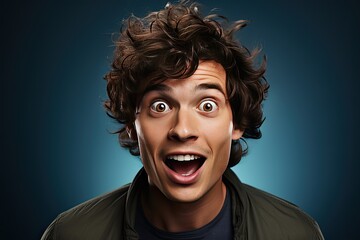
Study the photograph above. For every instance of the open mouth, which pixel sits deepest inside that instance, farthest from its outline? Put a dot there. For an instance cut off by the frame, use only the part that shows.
(185, 165)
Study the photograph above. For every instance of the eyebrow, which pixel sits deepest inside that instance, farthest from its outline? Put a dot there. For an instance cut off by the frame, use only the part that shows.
(203, 86)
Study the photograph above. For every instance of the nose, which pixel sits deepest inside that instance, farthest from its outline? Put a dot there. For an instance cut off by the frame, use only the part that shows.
(185, 126)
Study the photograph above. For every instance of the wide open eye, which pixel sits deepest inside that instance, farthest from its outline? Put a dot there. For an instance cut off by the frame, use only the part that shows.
(160, 107)
(208, 106)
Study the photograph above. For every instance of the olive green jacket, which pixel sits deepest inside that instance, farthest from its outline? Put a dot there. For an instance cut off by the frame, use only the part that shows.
(256, 215)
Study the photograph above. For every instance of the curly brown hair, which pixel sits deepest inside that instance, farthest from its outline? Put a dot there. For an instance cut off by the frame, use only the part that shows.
(168, 44)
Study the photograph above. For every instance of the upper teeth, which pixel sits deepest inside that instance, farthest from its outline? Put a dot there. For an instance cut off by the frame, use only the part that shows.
(186, 157)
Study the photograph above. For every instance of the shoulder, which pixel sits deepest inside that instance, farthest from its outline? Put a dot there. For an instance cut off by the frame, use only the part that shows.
(266, 216)
(279, 217)
(91, 219)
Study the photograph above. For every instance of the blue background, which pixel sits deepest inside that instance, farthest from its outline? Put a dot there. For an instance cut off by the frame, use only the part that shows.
(56, 149)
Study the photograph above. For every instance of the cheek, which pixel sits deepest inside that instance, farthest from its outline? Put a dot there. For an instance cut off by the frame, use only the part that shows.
(150, 136)
(220, 129)
(219, 137)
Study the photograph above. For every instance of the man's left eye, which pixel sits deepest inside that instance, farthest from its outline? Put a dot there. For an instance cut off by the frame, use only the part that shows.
(208, 106)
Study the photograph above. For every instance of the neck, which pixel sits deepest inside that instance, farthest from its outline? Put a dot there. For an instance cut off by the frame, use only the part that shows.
(174, 216)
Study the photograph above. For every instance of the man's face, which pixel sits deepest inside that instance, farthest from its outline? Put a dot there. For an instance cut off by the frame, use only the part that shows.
(184, 129)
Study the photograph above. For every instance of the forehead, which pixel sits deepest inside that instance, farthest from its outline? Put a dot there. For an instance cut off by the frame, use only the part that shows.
(207, 71)
(211, 68)
(208, 75)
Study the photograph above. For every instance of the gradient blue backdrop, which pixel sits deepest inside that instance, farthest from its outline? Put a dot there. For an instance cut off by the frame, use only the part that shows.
(56, 150)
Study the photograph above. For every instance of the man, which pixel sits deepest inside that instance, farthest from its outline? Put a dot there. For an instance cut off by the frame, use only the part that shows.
(185, 92)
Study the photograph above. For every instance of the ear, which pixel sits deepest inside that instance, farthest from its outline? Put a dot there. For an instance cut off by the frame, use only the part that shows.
(131, 131)
(237, 134)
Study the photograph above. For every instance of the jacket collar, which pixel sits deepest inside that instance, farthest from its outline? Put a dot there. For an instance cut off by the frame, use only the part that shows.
(239, 202)
(139, 183)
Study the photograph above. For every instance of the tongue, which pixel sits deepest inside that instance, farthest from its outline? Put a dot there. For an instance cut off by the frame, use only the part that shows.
(185, 168)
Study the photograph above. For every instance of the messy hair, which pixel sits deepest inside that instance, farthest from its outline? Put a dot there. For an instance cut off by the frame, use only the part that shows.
(169, 44)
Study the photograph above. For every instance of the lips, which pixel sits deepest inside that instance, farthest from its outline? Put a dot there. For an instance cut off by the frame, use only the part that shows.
(184, 165)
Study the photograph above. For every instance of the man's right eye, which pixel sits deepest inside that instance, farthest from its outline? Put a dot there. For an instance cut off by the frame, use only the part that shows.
(160, 107)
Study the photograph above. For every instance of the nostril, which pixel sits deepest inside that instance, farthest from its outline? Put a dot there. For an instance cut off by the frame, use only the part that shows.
(181, 136)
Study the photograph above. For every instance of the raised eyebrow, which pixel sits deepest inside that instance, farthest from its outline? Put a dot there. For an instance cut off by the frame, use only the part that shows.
(205, 86)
